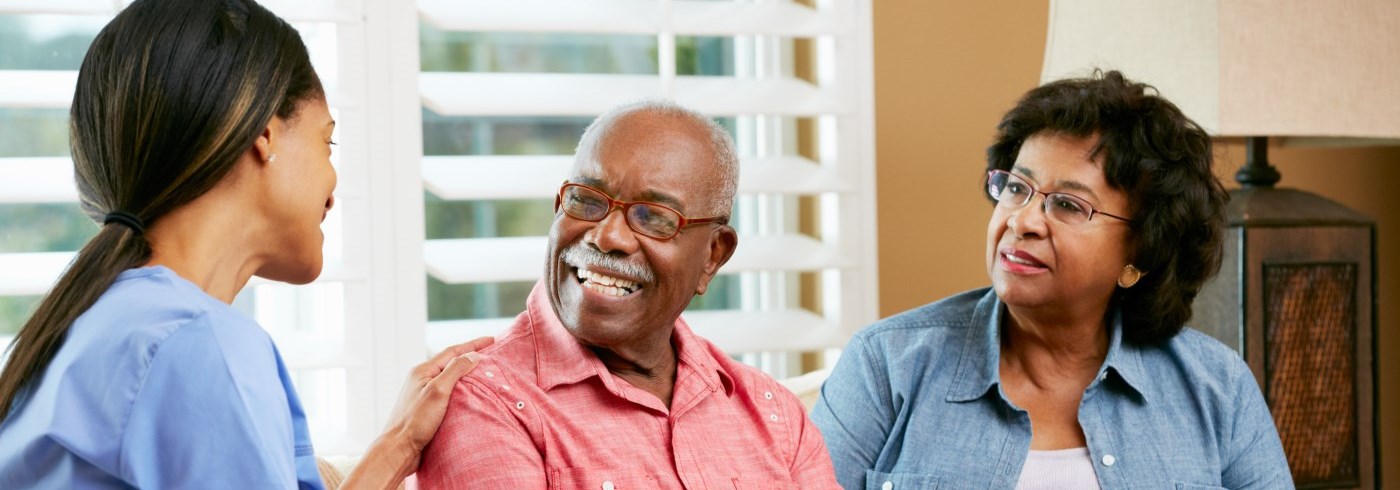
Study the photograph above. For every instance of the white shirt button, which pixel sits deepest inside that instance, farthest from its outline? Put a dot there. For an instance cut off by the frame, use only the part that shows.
(887, 486)
(1108, 460)
(519, 405)
(489, 375)
(768, 395)
(608, 485)
(773, 417)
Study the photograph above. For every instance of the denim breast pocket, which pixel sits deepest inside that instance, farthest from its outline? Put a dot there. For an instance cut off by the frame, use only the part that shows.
(1193, 486)
(875, 480)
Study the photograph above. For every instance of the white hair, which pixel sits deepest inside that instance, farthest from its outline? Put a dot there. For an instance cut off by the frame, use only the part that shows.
(721, 145)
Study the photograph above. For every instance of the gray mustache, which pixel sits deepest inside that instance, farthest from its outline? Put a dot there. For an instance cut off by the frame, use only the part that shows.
(580, 255)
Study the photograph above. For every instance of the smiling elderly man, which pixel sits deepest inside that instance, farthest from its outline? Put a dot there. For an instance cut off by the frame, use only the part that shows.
(599, 383)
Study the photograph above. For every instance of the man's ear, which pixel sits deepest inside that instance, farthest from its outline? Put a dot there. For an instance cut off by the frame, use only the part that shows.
(723, 241)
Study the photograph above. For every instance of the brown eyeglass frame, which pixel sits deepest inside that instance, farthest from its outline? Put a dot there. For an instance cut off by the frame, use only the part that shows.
(625, 205)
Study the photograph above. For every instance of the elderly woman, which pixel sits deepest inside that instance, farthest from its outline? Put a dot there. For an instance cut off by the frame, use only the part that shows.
(1074, 369)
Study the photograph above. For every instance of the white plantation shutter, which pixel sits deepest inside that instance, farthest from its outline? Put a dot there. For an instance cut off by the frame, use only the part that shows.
(39, 172)
(446, 176)
(326, 331)
(762, 95)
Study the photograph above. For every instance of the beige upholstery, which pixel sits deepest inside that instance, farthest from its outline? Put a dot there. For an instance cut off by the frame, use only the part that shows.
(334, 468)
(331, 476)
(807, 387)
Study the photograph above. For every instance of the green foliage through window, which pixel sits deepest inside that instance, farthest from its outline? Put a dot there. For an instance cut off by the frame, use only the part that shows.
(14, 311)
(474, 301)
(33, 132)
(535, 52)
(44, 228)
(483, 219)
(46, 42)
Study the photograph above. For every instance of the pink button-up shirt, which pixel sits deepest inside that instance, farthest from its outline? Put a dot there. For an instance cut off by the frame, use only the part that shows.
(541, 411)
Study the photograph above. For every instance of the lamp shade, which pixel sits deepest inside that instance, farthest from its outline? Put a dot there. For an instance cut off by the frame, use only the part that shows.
(1324, 69)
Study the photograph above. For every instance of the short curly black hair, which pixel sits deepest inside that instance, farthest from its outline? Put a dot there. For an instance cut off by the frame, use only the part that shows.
(1162, 161)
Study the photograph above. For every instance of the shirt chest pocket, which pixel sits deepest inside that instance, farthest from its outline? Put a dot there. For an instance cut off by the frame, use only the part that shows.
(763, 484)
(601, 479)
(875, 480)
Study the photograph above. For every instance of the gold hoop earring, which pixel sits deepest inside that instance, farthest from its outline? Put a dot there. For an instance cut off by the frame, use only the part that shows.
(1130, 277)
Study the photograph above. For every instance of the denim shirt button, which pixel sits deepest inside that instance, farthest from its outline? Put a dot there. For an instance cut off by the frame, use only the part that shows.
(887, 486)
(1108, 460)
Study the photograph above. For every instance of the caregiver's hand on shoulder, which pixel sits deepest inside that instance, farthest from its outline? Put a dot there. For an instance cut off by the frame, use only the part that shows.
(416, 417)
(423, 401)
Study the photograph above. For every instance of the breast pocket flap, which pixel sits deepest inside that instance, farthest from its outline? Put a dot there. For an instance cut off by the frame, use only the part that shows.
(1193, 486)
(763, 484)
(604, 479)
(875, 480)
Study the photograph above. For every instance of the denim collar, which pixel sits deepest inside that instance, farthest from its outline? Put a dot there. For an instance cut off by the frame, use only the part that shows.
(978, 370)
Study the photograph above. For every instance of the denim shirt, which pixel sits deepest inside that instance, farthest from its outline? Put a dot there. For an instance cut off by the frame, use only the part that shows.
(916, 402)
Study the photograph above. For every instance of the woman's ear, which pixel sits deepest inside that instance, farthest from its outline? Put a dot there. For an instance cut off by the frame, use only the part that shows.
(262, 147)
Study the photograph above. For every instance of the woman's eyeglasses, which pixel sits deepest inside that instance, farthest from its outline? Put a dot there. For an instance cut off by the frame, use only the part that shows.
(1011, 191)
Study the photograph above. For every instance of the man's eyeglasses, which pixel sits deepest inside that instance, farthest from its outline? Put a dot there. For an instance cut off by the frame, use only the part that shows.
(1011, 191)
(648, 218)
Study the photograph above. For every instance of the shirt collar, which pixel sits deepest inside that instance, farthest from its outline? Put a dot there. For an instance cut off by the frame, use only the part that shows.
(978, 370)
(560, 359)
(1125, 360)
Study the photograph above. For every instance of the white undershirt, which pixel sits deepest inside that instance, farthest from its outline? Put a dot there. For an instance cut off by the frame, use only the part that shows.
(1058, 469)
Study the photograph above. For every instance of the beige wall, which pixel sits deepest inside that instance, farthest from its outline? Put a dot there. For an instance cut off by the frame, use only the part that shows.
(946, 70)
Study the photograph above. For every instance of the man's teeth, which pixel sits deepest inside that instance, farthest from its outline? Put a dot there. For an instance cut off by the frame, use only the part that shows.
(606, 284)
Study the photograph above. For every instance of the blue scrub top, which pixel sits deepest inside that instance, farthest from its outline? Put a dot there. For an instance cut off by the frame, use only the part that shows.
(159, 385)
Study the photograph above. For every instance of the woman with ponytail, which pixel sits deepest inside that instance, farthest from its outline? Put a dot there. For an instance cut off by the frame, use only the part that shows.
(201, 142)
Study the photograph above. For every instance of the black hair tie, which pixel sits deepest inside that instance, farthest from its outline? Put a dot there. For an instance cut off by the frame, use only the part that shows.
(125, 218)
